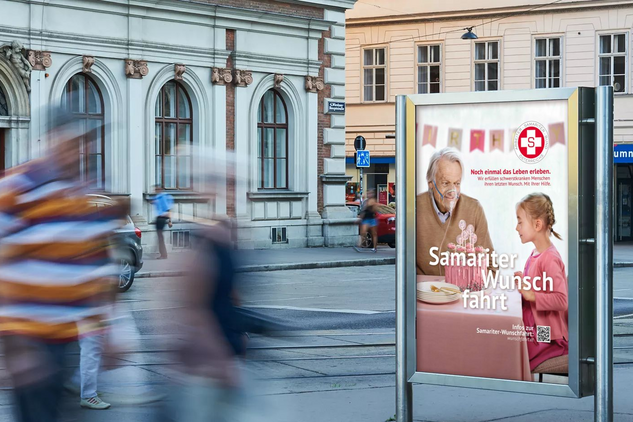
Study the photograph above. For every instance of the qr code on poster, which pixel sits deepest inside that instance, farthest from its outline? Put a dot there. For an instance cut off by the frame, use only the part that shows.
(543, 334)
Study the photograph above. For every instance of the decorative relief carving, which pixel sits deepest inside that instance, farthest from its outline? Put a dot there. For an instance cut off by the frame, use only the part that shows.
(88, 61)
(221, 76)
(242, 77)
(40, 60)
(14, 54)
(136, 69)
(314, 83)
(179, 70)
(279, 78)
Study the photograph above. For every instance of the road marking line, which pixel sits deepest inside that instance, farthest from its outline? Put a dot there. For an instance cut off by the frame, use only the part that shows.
(340, 311)
(623, 316)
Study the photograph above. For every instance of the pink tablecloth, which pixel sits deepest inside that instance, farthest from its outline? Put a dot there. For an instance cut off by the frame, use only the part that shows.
(448, 341)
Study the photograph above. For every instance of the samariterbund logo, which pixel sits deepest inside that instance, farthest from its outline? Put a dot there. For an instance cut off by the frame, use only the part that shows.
(531, 142)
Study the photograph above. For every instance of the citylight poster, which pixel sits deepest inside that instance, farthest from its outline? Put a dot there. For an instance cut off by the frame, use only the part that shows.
(491, 242)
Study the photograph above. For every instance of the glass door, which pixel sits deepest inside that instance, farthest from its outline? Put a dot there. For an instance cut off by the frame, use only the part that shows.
(623, 202)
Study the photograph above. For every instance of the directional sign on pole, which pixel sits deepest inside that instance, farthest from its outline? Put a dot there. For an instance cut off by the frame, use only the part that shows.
(359, 143)
(362, 158)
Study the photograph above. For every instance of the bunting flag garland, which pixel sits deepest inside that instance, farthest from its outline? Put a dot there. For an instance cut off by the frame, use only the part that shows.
(429, 136)
(477, 139)
(496, 140)
(557, 133)
(455, 138)
(484, 140)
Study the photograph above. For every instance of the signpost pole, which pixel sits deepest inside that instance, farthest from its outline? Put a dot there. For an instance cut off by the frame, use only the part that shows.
(361, 186)
(404, 390)
(604, 255)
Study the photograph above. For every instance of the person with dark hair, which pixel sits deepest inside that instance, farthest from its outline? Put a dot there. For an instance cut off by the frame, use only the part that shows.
(369, 222)
(163, 203)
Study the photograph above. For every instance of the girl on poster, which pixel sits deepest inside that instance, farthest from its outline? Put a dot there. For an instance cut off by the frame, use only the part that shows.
(548, 307)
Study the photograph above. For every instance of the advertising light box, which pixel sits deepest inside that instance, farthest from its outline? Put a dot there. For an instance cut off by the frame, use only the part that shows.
(492, 258)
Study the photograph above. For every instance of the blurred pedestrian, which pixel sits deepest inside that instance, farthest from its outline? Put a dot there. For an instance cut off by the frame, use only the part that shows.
(211, 386)
(56, 277)
(369, 223)
(163, 203)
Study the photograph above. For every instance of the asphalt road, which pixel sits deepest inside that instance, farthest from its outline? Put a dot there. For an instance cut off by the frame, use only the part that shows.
(325, 299)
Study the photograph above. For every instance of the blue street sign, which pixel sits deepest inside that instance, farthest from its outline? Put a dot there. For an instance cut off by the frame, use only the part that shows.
(362, 158)
(623, 154)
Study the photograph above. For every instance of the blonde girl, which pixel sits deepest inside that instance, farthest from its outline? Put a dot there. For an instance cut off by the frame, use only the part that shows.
(548, 306)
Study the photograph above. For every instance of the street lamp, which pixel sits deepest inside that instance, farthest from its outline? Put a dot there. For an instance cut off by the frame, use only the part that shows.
(470, 35)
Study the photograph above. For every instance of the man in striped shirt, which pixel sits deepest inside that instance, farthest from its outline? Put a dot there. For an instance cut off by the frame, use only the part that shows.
(56, 278)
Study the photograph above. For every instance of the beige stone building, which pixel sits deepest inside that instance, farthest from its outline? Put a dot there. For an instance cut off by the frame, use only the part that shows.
(408, 46)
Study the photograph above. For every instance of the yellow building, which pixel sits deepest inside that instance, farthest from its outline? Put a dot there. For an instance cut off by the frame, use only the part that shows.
(410, 46)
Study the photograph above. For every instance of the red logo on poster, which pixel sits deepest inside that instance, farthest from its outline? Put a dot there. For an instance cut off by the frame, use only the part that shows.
(531, 142)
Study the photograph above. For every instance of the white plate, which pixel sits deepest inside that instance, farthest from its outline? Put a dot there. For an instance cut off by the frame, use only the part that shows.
(425, 294)
(424, 287)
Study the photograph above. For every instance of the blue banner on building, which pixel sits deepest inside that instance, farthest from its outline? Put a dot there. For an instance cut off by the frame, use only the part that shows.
(623, 154)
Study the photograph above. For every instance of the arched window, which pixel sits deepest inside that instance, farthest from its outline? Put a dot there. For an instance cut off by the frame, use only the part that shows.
(272, 142)
(4, 106)
(173, 137)
(83, 98)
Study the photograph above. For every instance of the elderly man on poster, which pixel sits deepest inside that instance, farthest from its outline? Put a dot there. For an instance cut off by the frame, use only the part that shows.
(442, 207)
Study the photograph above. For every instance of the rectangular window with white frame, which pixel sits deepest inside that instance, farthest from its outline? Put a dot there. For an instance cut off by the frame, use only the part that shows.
(487, 66)
(429, 68)
(613, 62)
(374, 74)
(547, 61)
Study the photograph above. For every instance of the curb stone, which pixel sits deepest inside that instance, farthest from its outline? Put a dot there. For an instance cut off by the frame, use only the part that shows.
(282, 267)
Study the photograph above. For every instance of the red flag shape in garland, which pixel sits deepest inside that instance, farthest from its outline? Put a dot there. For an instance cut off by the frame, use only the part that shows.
(429, 136)
(477, 139)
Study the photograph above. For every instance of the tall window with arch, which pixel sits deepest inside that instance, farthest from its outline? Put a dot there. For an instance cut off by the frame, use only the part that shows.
(173, 138)
(272, 142)
(4, 111)
(83, 98)
(4, 106)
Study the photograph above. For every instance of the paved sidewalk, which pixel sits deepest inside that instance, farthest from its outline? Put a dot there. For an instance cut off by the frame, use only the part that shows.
(282, 259)
(449, 404)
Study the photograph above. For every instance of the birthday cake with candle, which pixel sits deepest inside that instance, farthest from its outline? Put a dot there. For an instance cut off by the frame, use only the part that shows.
(467, 264)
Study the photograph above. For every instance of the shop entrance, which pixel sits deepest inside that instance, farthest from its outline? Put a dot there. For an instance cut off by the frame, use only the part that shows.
(623, 192)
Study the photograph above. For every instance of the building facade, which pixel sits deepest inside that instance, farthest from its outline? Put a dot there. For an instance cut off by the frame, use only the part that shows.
(157, 82)
(409, 47)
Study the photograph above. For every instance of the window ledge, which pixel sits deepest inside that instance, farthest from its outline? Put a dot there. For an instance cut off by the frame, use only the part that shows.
(335, 178)
(276, 194)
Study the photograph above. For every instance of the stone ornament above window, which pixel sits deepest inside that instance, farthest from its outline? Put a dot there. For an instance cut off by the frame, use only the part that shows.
(279, 78)
(136, 69)
(242, 77)
(40, 60)
(314, 83)
(179, 70)
(14, 53)
(88, 61)
(221, 76)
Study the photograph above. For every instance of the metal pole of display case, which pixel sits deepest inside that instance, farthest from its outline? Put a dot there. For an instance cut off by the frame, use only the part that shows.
(404, 390)
(603, 399)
